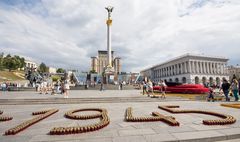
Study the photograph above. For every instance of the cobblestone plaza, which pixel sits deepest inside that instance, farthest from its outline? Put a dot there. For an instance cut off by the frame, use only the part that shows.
(20, 106)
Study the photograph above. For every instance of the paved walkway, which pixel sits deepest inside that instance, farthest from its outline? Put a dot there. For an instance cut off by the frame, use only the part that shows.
(190, 129)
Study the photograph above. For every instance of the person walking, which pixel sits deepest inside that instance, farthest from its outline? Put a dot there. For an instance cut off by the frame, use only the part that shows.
(235, 87)
(144, 87)
(238, 86)
(101, 86)
(225, 87)
(163, 87)
(121, 85)
(210, 95)
(66, 88)
(150, 88)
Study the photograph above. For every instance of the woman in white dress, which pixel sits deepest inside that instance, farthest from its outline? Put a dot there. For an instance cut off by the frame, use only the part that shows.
(66, 88)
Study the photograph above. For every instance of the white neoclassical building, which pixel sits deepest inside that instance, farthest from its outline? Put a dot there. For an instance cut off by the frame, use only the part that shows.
(189, 68)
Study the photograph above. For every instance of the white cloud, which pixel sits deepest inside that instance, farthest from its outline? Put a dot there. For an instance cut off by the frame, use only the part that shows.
(66, 33)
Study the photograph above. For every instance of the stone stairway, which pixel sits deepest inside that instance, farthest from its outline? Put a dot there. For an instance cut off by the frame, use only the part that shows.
(85, 100)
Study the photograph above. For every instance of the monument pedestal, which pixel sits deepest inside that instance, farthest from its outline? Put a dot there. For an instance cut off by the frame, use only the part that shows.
(109, 73)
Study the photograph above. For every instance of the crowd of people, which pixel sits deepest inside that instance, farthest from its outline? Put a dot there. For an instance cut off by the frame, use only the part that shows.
(227, 89)
(6, 86)
(59, 87)
(148, 88)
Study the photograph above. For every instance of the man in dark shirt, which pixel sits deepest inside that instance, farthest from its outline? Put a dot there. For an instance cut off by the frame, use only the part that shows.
(225, 87)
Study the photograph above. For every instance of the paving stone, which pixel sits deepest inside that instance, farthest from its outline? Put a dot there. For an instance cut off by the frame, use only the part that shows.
(14, 138)
(160, 137)
(93, 140)
(180, 129)
(231, 133)
(208, 127)
(129, 139)
(136, 132)
(200, 136)
(232, 140)
(191, 127)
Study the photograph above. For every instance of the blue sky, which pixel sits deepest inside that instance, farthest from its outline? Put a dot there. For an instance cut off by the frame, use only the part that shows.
(66, 33)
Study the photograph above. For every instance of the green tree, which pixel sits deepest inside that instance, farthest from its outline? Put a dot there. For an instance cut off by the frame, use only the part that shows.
(60, 70)
(93, 71)
(21, 61)
(1, 61)
(43, 68)
(10, 63)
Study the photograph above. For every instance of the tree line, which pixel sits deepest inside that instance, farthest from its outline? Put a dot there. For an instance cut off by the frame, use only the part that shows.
(11, 62)
(14, 62)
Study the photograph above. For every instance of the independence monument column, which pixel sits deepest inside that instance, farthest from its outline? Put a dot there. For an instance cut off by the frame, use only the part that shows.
(109, 70)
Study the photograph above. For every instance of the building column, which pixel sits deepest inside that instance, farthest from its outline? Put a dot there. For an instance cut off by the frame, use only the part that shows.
(177, 69)
(164, 72)
(189, 67)
(225, 70)
(180, 68)
(214, 68)
(161, 72)
(193, 67)
(211, 67)
(185, 67)
(170, 70)
(198, 67)
(167, 71)
(219, 68)
(208, 67)
(203, 65)
(222, 68)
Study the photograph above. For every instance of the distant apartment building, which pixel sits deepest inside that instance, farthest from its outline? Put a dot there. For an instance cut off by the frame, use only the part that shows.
(99, 62)
(30, 64)
(52, 70)
(234, 70)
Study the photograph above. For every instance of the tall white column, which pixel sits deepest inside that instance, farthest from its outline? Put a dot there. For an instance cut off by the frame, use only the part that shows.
(109, 23)
(109, 45)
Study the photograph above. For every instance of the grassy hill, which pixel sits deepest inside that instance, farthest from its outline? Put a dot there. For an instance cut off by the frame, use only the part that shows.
(11, 76)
